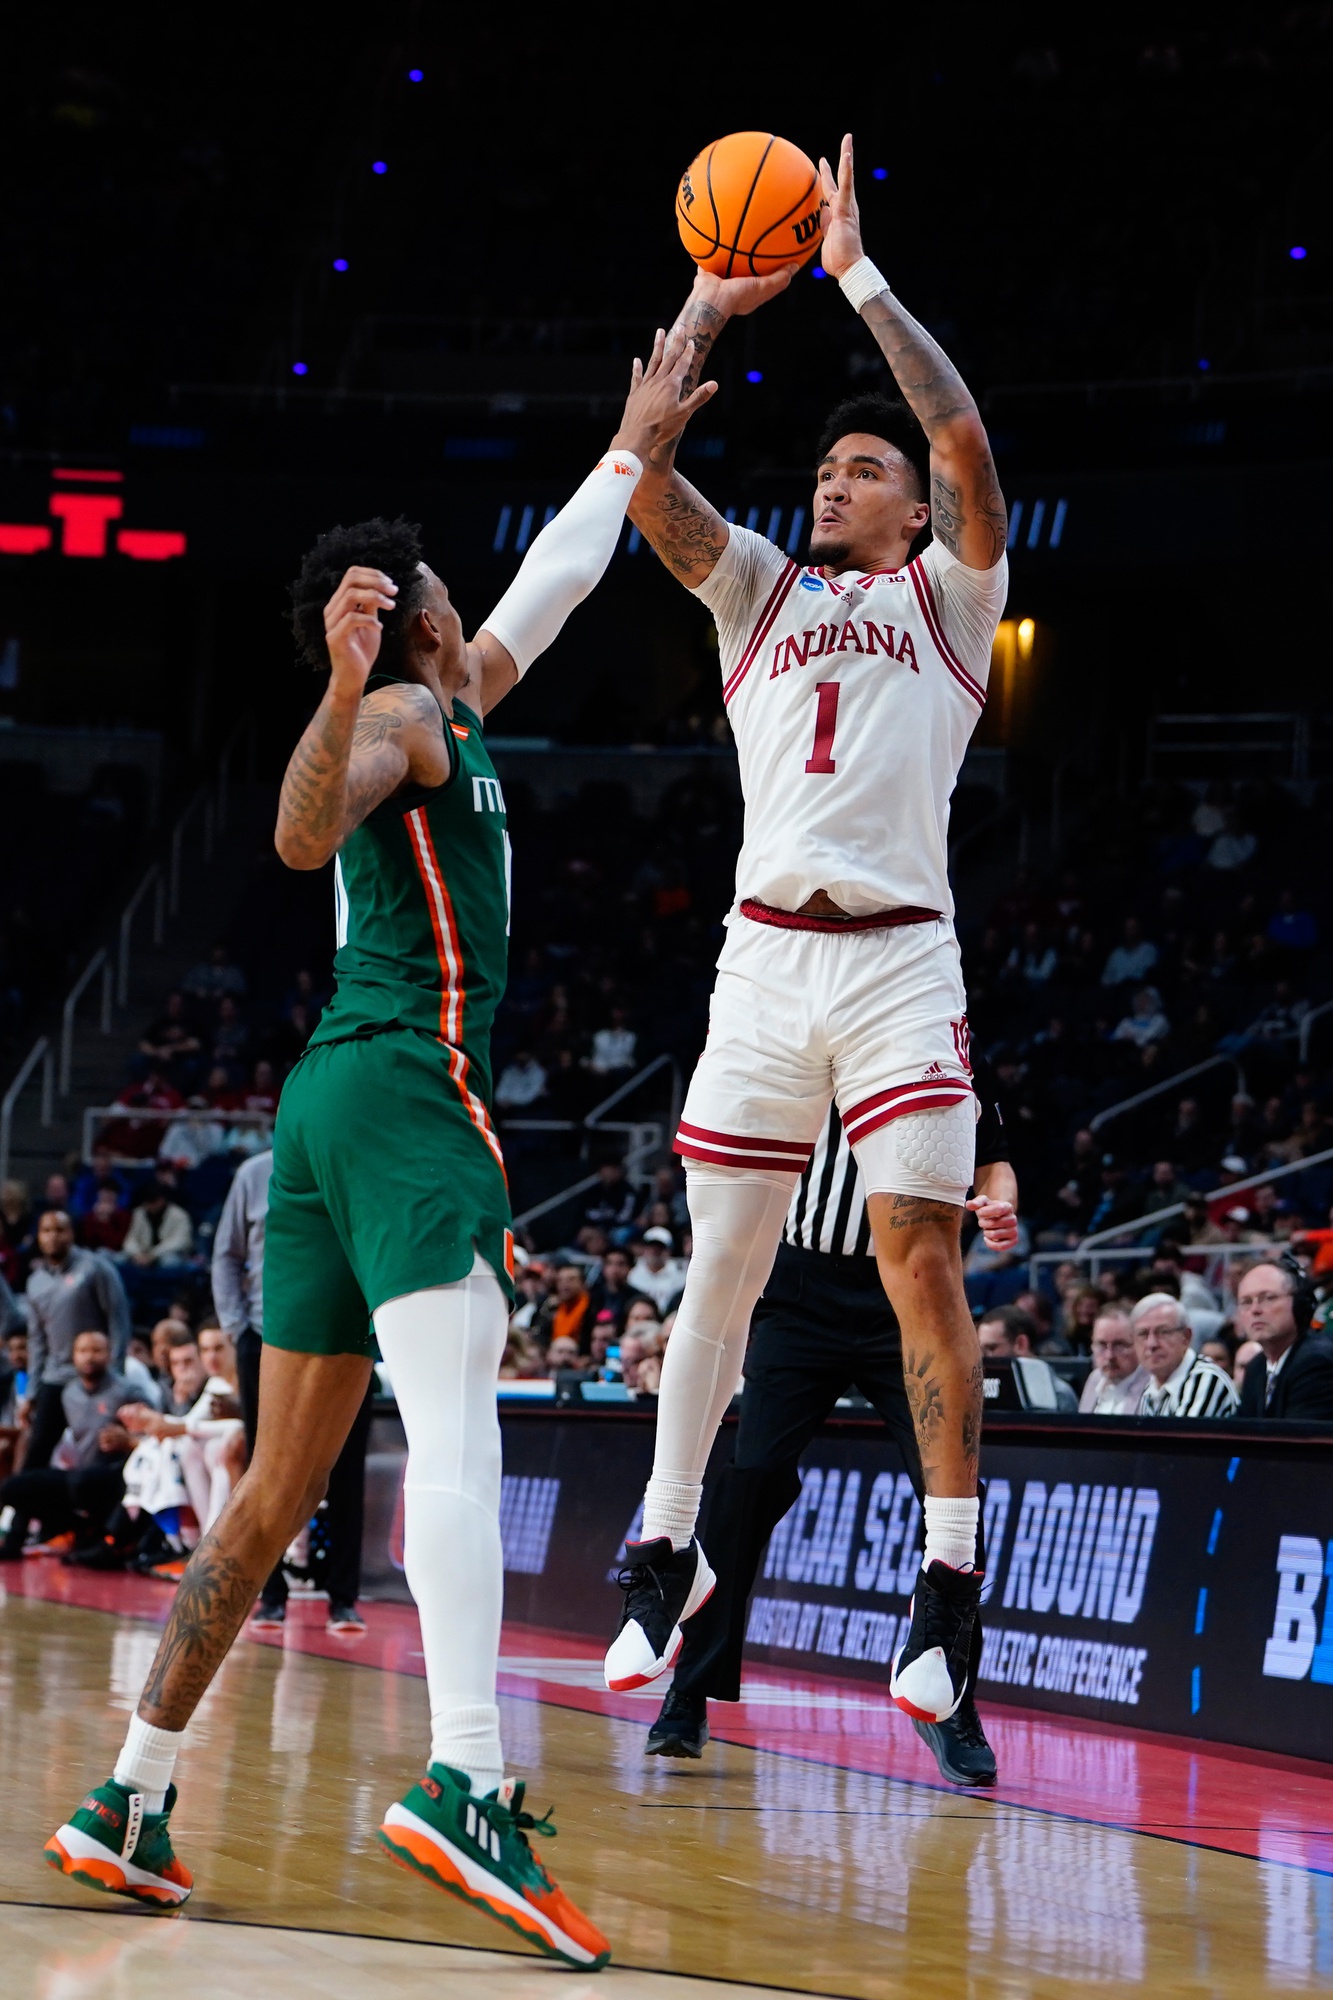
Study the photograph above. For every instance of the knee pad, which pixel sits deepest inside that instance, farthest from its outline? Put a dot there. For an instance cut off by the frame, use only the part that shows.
(927, 1154)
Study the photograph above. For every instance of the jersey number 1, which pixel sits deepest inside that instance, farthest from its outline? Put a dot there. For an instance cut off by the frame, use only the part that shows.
(820, 761)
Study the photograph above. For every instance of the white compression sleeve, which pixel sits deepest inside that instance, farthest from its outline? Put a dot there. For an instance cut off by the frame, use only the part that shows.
(566, 562)
(736, 1216)
(443, 1348)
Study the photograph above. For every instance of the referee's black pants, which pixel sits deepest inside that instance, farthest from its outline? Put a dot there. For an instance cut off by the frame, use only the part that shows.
(345, 1508)
(822, 1326)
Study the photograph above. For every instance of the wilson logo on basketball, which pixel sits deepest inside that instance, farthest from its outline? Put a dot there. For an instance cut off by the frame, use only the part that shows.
(686, 191)
(807, 227)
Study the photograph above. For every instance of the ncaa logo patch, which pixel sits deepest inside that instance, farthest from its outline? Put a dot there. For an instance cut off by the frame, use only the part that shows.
(812, 583)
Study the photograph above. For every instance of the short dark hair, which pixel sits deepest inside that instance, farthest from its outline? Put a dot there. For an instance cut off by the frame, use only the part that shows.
(880, 416)
(1014, 1321)
(394, 547)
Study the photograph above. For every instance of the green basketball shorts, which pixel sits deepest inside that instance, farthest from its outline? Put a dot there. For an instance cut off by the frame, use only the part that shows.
(385, 1182)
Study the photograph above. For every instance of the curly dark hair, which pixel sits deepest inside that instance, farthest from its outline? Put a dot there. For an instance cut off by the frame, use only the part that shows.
(394, 547)
(881, 416)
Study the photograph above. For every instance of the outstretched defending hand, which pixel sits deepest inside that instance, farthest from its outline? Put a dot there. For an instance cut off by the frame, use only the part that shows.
(660, 403)
(352, 628)
(842, 227)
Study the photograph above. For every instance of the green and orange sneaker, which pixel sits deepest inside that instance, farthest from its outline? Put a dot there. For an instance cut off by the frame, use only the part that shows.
(111, 1843)
(477, 1848)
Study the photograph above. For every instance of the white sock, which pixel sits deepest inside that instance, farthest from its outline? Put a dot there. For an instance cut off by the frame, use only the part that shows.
(468, 1739)
(951, 1532)
(147, 1762)
(443, 1349)
(671, 1507)
(736, 1217)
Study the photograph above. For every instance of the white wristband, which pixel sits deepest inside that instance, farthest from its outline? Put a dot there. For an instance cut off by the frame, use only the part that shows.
(862, 283)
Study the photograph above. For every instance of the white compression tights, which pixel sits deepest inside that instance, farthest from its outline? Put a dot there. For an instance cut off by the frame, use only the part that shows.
(736, 1216)
(443, 1349)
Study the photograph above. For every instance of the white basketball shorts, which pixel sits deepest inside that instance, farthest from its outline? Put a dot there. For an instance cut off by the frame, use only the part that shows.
(874, 1019)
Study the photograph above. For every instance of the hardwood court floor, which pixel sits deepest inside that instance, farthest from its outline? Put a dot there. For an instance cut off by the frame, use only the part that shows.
(797, 1859)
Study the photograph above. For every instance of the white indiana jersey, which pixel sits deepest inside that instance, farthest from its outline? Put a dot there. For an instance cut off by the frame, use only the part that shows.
(852, 700)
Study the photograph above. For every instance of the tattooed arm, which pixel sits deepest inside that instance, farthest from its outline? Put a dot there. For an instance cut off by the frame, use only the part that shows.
(967, 511)
(357, 750)
(685, 530)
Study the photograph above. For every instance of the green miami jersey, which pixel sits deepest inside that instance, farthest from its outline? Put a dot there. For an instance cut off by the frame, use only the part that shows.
(387, 1172)
(422, 912)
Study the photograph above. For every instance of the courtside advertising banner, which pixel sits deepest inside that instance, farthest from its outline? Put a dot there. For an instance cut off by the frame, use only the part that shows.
(1189, 1591)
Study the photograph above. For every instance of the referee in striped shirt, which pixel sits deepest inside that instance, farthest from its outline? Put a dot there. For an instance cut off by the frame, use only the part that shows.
(822, 1326)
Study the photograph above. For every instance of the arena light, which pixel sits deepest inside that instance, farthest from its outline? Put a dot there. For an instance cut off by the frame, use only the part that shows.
(754, 375)
(1027, 632)
(879, 173)
(299, 368)
(819, 272)
(340, 263)
(379, 166)
(1297, 253)
(415, 75)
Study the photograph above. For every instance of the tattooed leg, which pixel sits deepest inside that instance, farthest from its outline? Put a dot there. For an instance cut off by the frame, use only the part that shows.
(307, 1403)
(916, 1244)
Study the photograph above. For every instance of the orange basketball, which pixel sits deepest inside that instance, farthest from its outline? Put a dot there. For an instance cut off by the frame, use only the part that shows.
(749, 204)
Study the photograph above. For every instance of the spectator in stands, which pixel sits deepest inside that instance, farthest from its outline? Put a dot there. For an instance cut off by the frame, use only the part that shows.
(193, 1139)
(1119, 1200)
(171, 1044)
(1195, 1295)
(161, 1232)
(1145, 1023)
(530, 1292)
(92, 1177)
(611, 1203)
(613, 1047)
(1008, 1331)
(216, 978)
(667, 1189)
(72, 1498)
(1232, 848)
(1293, 1374)
(1292, 927)
(1191, 1144)
(659, 1274)
(563, 1355)
(1082, 1309)
(1118, 1379)
(1165, 1188)
(141, 1137)
(220, 1094)
(106, 1223)
(613, 1293)
(1183, 1383)
(231, 1038)
(522, 1082)
(1221, 1348)
(262, 1093)
(16, 1232)
(1249, 1351)
(523, 1359)
(1004, 1331)
(605, 1335)
(1132, 959)
(642, 1318)
(567, 1312)
(208, 1434)
(69, 1291)
(1033, 961)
